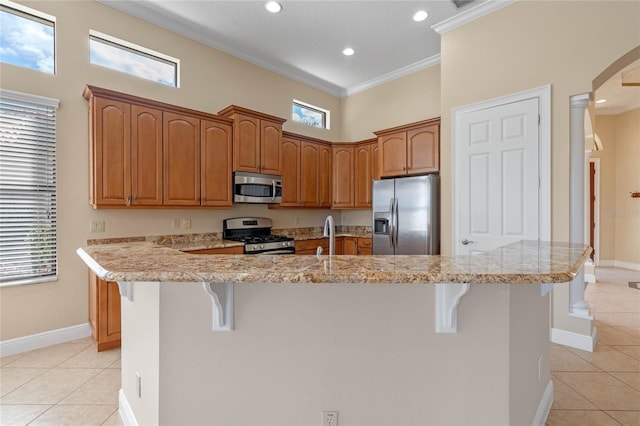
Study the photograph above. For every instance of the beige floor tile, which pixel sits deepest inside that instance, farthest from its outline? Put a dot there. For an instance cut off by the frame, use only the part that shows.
(616, 336)
(75, 415)
(608, 359)
(116, 364)
(48, 357)
(603, 390)
(20, 415)
(579, 418)
(13, 378)
(633, 331)
(101, 389)
(114, 420)
(91, 358)
(618, 319)
(631, 379)
(50, 387)
(6, 360)
(562, 359)
(565, 398)
(626, 418)
(632, 351)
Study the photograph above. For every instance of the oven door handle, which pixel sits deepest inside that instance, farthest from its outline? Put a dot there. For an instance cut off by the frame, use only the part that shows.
(283, 251)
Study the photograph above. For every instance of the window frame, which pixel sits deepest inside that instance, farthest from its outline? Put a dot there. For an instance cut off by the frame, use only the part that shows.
(138, 50)
(34, 102)
(38, 17)
(325, 113)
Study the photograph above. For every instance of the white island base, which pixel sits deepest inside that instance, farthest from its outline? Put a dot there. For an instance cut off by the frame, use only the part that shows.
(368, 351)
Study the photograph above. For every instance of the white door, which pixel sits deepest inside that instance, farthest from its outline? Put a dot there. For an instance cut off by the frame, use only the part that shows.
(496, 176)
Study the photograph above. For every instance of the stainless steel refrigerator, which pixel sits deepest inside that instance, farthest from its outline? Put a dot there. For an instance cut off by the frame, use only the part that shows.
(406, 215)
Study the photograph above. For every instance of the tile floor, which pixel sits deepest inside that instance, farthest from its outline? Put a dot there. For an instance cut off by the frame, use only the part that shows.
(72, 384)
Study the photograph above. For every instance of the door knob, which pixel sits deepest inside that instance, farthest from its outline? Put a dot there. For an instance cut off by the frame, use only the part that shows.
(465, 242)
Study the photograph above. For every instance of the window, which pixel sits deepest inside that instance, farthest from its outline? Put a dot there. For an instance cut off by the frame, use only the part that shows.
(312, 115)
(136, 60)
(28, 246)
(27, 37)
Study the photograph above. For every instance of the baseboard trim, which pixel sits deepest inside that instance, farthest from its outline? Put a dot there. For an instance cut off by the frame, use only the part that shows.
(575, 340)
(126, 413)
(620, 264)
(42, 340)
(544, 406)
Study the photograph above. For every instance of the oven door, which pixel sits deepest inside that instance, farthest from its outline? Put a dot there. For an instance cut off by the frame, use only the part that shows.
(291, 250)
(257, 188)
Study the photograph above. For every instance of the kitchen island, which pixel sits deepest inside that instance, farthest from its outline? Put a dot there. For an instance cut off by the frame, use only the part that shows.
(382, 340)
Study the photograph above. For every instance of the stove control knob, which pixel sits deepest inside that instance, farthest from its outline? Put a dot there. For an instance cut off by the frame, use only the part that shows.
(261, 246)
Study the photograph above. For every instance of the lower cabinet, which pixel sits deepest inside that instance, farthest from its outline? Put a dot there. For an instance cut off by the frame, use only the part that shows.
(344, 245)
(365, 246)
(104, 312)
(310, 246)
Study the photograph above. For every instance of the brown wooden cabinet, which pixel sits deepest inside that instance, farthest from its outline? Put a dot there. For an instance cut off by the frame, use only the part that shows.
(104, 312)
(216, 141)
(343, 171)
(364, 172)
(181, 143)
(306, 172)
(148, 154)
(365, 246)
(257, 140)
(411, 149)
(311, 246)
(350, 246)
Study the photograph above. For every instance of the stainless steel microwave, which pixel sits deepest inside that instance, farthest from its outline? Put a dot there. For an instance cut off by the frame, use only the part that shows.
(257, 188)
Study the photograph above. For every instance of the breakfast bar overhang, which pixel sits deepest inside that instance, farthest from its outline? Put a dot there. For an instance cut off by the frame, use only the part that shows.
(402, 340)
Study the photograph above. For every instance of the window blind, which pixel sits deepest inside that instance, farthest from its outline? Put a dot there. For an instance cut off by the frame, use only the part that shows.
(28, 233)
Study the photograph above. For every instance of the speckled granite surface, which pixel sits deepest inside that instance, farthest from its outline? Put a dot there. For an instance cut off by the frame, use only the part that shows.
(525, 262)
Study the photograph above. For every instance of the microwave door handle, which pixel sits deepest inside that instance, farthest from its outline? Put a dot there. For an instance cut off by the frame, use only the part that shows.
(273, 187)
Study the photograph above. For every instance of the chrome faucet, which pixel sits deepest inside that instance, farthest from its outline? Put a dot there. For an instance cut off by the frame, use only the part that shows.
(330, 231)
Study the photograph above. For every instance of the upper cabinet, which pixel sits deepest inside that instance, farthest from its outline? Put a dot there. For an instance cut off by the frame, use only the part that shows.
(306, 173)
(147, 154)
(365, 171)
(343, 173)
(257, 140)
(409, 150)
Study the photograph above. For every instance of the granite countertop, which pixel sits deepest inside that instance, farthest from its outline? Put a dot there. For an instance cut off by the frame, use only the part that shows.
(524, 262)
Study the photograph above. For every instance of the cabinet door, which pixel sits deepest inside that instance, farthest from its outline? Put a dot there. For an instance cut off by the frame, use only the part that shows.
(146, 156)
(215, 152)
(375, 161)
(423, 154)
(365, 246)
(290, 172)
(393, 154)
(362, 178)
(246, 144)
(270, 147)
(343, 176)
(111, 153)
(350, 246)
(181, 142)
(324, 184)
(104, 312)
(309, 171)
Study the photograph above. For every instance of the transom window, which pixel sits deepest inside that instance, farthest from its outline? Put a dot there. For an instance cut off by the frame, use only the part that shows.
(27, 38)
(120, 55)
(311, 115)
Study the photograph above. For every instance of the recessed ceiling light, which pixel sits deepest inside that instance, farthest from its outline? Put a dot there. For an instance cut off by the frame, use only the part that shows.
(601, 101)
(420, 16)
(348, 51)
(273, 6)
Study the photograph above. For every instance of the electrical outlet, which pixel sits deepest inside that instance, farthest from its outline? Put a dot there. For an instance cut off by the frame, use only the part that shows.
(329, 418)
(175, 223)
(96, 226)
(186, 223)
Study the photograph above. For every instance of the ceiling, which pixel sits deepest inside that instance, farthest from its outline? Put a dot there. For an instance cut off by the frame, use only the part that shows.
(619, 98)
(305, 40)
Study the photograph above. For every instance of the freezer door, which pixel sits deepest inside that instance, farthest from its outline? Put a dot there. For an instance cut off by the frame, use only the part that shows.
(417, 215)
(383, 231)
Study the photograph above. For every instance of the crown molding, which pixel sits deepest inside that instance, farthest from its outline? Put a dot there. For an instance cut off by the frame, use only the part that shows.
(393, 75)
(470, 15)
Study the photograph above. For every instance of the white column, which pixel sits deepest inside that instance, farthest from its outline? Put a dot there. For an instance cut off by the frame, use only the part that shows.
(579, 104)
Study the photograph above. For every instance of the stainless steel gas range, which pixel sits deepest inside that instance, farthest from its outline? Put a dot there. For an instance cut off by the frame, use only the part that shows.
(255, 233)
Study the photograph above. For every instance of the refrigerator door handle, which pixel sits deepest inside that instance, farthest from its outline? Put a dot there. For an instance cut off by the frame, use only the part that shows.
(395, 223)
(392, 222)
